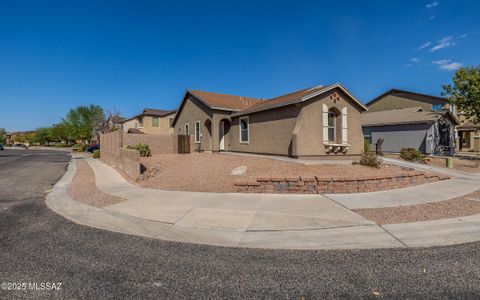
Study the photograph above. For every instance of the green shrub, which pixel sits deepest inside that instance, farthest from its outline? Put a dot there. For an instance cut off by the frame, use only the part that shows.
(370, 159)
(144, 149)
(412, 154)
(96, 154)
(366, 147)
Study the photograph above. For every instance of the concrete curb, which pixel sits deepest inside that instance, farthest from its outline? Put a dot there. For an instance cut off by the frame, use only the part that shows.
(367, 236)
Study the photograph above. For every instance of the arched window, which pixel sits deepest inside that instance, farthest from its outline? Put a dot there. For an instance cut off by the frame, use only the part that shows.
(332, 125)
(244, 134)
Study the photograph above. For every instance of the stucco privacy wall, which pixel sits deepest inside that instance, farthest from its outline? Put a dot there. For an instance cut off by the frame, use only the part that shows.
(158, 143)
(112, 153)
(297, 130)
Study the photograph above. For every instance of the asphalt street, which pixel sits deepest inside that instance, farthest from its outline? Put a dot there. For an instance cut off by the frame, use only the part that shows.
(38, 246)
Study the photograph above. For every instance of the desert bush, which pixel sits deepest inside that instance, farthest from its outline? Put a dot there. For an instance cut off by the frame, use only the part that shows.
(96, 154)
(144, 149)
(366, 147)
(369, 159)
(411, 154)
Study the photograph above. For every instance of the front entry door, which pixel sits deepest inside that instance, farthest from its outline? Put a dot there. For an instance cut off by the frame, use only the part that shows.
(221, 135)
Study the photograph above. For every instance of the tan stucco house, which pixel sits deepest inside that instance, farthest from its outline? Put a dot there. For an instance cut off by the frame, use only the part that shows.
(467, 133)
(397, 99)
(317, 122)
(150, 121)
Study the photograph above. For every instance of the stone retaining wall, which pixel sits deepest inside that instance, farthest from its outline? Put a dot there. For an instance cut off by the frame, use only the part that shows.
(322, 185)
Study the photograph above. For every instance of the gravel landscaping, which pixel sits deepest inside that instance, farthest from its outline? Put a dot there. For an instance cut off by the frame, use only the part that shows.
(458, 207)
(205, 172)
(83, 188)
(464, 165)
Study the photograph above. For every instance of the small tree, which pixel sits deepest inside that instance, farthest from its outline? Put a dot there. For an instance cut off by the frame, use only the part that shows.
(60, 132)
(84, 122)
(465, 92)
(43, 135)
(3, 136)
(112, 122)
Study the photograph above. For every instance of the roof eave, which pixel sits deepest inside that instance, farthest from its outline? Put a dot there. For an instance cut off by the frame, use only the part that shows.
(398, 123)
(390, 91)
(303, 99)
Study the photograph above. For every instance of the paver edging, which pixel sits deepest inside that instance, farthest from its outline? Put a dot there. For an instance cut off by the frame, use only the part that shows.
(339, 185)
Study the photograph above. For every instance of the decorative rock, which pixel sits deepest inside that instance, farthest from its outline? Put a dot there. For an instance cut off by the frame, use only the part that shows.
(239, 170)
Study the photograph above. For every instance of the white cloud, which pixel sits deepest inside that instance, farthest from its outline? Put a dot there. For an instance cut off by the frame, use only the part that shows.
(463, 35)
(414, 60)
(424, 45)
(433, 4)
(447, 64)
(431, 17)
(443, 43)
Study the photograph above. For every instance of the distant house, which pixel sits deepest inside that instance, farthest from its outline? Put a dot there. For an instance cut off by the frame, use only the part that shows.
(469, 135)
(430, 132)
(150, 121)
(396, 99)
(321, 121)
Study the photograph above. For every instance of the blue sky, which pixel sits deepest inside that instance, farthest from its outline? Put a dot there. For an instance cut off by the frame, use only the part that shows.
(134, 54)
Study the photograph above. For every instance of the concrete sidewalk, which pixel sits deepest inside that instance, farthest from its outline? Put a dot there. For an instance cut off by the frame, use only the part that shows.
(224, 211)
(247, 220)
(461, 183)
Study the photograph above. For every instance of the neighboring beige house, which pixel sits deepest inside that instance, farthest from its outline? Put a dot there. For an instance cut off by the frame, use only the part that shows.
(430, 132)
(150, 121)
(396, 99)
(467, 133)
(317, 122)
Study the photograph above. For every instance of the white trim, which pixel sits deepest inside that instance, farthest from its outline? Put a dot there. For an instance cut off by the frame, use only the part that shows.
(240, 130)
(198, 138)
(325, 122)
(344, 125)
(187, 125)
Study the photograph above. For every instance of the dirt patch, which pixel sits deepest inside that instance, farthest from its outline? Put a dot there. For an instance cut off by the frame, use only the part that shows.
(457, 207)
(83, 188)
(205, 172)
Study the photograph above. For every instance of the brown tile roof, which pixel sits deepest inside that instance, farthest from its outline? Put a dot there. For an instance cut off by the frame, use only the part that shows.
(290, 98)
(223, 101)
(408, 115)
(157, 112)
